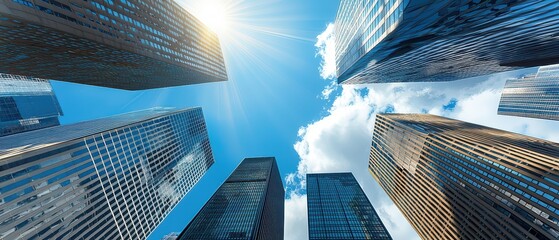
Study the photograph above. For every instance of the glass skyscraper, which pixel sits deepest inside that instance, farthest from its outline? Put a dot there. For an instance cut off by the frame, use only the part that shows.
(535, 96)
(26, 104)
(339, 209)
(248, 205)
(110, 178)
(170, 236)
(457, 180)
(126, 44)
(442, 40)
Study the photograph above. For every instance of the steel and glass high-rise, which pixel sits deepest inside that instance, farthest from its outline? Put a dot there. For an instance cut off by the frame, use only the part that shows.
(110, 178)
(248, 205)
(339, 209)
(170, 236)
(126, 44)
(534, 96)
(442, 40)
(458, 180)
(26, 104)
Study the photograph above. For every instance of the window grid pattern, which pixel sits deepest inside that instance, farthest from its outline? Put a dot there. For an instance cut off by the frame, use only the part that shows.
(26, 104)
(249, 205)
(170, 236)
(360, 25)
(470, 182)
(118, 183)
(13, 84)
(443, 40)
(126, 34)
(339, 209)
(231, 213)
(534, 96)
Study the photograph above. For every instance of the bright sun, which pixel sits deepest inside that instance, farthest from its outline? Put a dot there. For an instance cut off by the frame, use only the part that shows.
(213, 13)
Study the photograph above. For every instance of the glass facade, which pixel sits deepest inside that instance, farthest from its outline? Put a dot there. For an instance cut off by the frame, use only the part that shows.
(111, 178)
(339, 209)
(170, 236)
(442, 40)
(457, 180)
(26, 104)
(136, 44)
(249, 205)
(360, 25)
(533, 96)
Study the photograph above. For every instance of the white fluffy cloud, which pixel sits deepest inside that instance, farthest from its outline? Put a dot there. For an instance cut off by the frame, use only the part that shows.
(340, 141)
(296, 217)
(481, 108)
(325, 45)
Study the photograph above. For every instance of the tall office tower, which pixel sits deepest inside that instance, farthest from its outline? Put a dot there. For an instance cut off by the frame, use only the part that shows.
(111, 178)
(126, 44)
(26, 104)
(442, 40)
(457, 180)
(248, 205)
(170, 236)
(339, 209)
(535, 96)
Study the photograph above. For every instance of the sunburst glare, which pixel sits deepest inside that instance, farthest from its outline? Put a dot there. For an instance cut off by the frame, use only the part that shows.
(251, 41)
(213, 13)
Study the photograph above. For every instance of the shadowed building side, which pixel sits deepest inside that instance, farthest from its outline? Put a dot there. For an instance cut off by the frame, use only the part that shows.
(457, 180)
(126, 44)
(427, 41)
(339, 209)
(248, 205)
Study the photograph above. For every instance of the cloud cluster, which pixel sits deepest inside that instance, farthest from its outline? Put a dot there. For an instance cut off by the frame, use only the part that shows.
(340, 141)
(296, 217)
(325, 45)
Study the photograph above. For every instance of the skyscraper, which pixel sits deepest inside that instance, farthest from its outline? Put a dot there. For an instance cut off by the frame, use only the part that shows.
(442, 40)
(170, 236)
(26, 104)
(339, 209)
(535, 96)
(457, 180)
(127, 44)
(248, 205)
(111, 178)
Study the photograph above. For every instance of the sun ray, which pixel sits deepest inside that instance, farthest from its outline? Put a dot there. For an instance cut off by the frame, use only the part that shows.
(253, 36)
(213, 13)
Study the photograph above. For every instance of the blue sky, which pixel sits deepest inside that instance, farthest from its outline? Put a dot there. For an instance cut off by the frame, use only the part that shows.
(280, 101)
(273, 89)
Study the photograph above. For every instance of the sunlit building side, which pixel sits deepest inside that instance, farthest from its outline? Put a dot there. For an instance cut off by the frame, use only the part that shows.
(442, 40)
(170, 236)
(110, 178)
(457, 180)
(534, 96)
(26, 104)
